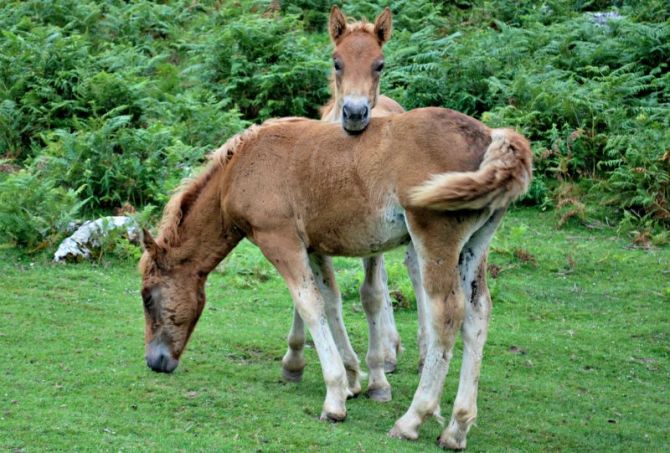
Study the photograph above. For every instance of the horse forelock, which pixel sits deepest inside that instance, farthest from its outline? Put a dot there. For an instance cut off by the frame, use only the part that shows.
(360, 25)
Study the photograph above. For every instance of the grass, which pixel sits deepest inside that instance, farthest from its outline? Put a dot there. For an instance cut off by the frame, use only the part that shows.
(577, 358)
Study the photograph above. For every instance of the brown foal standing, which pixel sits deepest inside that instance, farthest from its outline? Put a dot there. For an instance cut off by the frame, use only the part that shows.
(358, 62)
(300, 189)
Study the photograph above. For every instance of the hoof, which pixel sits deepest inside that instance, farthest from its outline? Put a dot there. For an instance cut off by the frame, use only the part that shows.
(398, 433)
(333, 417)
(381, 395)
(448, 443)
(389, 366)
(292, 376)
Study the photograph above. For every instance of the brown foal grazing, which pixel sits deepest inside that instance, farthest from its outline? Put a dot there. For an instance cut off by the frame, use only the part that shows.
(297, 187)
(357, 65)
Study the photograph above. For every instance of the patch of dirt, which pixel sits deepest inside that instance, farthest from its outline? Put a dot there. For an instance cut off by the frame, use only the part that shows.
(525, 256)
(517, 350)
(398, 299)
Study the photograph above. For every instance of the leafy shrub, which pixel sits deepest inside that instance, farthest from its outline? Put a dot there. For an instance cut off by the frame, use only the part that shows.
(267, 66)
(33, 211)
(114, 163)
(117, 101)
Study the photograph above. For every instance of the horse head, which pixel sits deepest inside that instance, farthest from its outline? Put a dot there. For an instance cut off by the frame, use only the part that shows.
(358, 62)
(173, 294)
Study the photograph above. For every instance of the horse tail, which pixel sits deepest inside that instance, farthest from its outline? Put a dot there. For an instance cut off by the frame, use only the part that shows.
(502, 177)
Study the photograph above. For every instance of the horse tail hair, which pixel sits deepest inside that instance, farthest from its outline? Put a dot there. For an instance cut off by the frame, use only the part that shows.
(503, 176)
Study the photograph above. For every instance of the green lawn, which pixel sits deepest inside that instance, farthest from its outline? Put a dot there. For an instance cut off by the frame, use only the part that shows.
(577, 358)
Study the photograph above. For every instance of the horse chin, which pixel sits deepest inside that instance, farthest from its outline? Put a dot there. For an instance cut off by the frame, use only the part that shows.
(355, 127)
(159, 358)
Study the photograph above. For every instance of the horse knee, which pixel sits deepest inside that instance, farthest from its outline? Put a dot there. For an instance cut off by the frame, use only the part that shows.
(371, 296)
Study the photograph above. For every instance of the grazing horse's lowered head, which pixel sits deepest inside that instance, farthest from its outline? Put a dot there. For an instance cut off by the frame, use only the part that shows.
(174, 270)
(358, 62)
(171, 306)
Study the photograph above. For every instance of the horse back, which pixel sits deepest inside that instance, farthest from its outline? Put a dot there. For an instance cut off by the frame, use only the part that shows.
(317, 178)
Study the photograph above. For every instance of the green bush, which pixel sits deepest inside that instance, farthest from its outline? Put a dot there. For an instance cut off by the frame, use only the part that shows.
(33, 211)
(117, 101)
(267, 66)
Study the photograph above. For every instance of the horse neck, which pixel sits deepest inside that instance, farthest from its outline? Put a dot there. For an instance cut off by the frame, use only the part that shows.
(205, 237)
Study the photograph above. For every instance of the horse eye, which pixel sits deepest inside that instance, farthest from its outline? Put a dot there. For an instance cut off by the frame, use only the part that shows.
(379, 67)
(146, 298)
(337, 65)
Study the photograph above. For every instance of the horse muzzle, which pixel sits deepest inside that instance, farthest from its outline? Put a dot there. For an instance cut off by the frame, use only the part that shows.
(355, 114)
(159, 358)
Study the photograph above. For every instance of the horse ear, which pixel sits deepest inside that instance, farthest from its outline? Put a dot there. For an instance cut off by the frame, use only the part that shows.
(149, 244)
(384, 26)
(337, 24)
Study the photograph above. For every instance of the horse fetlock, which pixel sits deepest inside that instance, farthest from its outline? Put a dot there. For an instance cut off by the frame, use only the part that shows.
(454, 435)
(392, 348)
(354, 384)
(354, 376)
(293, 360)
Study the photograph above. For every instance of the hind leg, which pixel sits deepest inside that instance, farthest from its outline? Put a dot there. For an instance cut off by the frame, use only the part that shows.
(472, 268)
(412, 264)
(474, 331)
(372, 297)
(377, 284)
(322, 267)
(293, 362)
(437, 241)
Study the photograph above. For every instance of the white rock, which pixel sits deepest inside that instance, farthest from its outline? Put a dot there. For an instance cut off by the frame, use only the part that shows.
(87, 237)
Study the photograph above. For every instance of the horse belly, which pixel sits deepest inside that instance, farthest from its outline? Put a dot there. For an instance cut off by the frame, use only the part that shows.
(363, 236)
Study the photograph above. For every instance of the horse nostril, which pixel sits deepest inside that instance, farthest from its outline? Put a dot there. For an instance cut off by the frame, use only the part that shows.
(354, 112)
(159, 359)
(345, 111)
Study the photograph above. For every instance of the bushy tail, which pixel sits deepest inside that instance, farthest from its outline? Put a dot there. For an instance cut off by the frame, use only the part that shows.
(503, 176)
